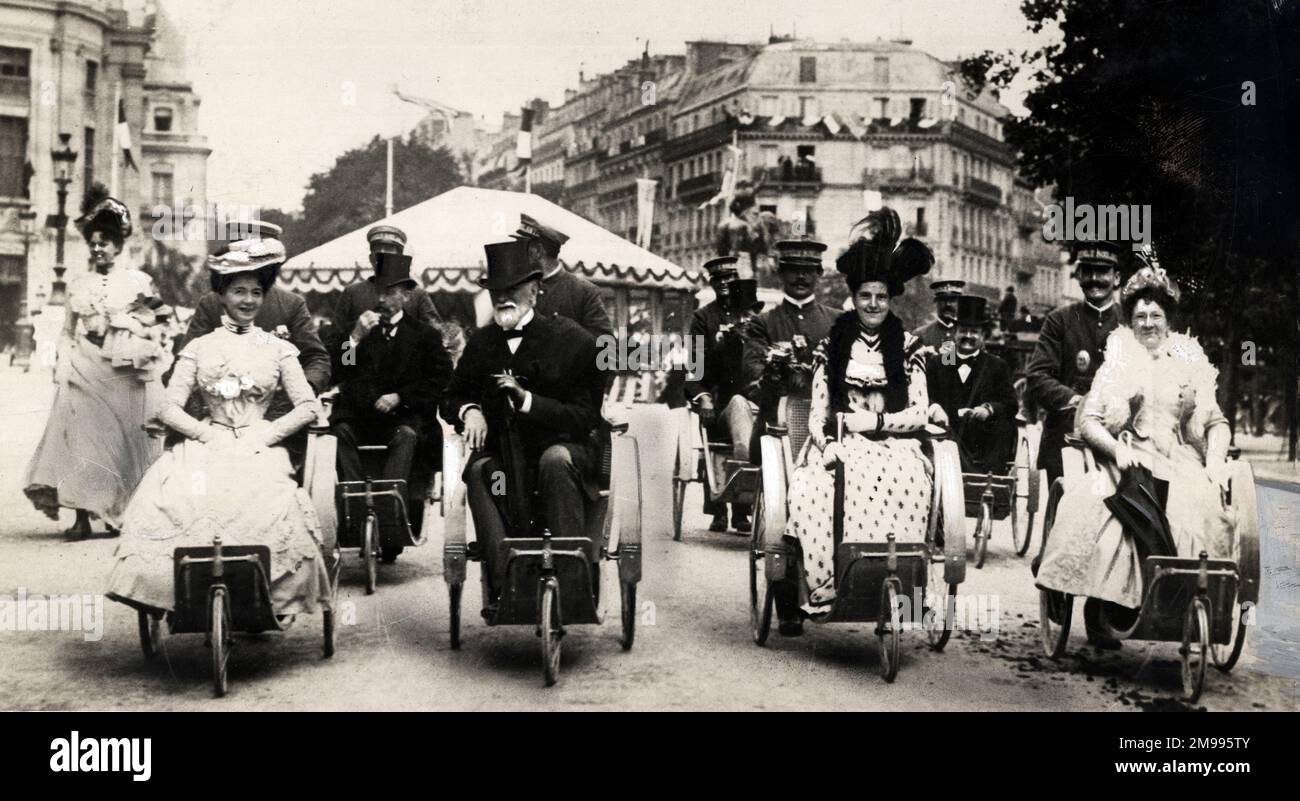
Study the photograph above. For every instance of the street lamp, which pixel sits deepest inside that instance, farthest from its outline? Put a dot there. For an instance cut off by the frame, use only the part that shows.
(23, 329)
(64, 157)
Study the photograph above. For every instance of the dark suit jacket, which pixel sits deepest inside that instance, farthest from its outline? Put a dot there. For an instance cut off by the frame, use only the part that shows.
(782, 323)
(574, 297)
(556, 361)
(983, 445)
(280, 307)
(722, 373)
(414, 364)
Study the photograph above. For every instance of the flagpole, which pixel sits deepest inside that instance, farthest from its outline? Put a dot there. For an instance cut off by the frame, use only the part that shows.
(117, 103)
(388, 186)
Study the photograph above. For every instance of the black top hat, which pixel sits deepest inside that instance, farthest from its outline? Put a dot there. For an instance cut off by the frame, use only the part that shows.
(720, 267)
(507, 265)
(550, 238)
(799, 253)
(972, 310)
(742, 295)
(391, 269)
(876, 254)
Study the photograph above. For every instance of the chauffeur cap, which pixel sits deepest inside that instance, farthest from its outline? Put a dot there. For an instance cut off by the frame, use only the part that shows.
(550, 238)
(721, 268)
(947, 288)
(799, 253)
(386, 233)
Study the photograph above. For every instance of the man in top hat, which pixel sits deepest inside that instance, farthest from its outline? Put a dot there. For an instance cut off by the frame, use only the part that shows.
(283, 313)
(391, 378)
(941, 331)
(562, 293)
(536, 377)
(363, 296)
(1071, 346)
(790, 329)
(717, 392)
(976, 394)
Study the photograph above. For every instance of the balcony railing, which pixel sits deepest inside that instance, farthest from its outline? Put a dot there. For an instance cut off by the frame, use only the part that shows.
(701, 187)
(789, 176)
(898, 177)
(984, 190)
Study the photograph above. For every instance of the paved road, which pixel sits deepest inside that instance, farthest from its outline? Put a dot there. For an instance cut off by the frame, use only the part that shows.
(693, 649)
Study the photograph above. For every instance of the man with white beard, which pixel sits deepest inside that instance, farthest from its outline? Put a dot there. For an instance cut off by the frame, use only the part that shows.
(536, 377)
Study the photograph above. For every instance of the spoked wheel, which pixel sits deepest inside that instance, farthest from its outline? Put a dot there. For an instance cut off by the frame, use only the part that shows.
(888, 628)
(328, 621)
(369, 546)
(761, 599)
(453, 593)
(679, 501)
(150, 634)
(627, 599)
(983, 529)
(550, 630)
(940, 609)
(1225, 656)
(1196, 638)
(220, 639)
(1022, 529)
(1054, 612)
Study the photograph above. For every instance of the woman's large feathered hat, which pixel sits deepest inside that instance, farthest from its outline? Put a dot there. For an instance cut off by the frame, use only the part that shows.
(100, 212)
(875, 254)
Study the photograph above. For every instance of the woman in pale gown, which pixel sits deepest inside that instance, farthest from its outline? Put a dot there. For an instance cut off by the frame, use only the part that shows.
(111, 355)
(1159, 387)
(873, 371)
(228, 478)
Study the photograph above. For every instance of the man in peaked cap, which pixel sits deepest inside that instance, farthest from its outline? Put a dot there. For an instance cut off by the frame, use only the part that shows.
(942, 330)
(792, 328)
(717, 392)
(976, 394)
(389, 392)
(562, 293)
(362, 298)
(536, 376)
(1071, 346)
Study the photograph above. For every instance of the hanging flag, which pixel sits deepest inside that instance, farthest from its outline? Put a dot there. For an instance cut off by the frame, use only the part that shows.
(524, 146)
(645, 211)
(122, 133)
(728, 189)
(832, 123)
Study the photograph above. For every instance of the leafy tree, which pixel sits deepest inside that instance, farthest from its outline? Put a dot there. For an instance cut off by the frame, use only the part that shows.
(1193, 108)
(351, 193)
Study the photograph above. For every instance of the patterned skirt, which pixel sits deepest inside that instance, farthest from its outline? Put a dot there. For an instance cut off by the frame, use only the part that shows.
(887, 488)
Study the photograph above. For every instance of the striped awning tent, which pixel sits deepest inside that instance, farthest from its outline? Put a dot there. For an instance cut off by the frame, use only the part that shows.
(446, 235)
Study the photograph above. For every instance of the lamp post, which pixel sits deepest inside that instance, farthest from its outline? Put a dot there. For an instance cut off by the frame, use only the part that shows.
(23, 329)
(64, 157)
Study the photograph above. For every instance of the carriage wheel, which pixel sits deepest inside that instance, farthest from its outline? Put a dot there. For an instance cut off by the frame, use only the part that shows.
(760, 617)
(983, 529)
(548, 622)
(679, 502)
(1022, 532)
(453, 593)
(328, 619)
(889, 632)
(1196, 638)
(369, 541)
(150, 634)
(1055, 609)
(627, 600)
(938, 625)
(1226, 655)
(220, 640)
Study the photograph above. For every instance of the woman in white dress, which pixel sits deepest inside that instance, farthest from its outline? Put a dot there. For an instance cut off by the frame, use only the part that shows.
(111, 355)
(229, 477)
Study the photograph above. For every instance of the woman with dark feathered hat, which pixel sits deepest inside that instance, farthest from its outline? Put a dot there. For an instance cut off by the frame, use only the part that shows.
(111, 355)
(873, 371)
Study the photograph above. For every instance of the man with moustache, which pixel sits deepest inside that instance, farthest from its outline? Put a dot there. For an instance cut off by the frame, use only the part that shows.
(363, 296)
(389, 391)
(940, 332)
(716, 391)
(976, 394)
(790, 331)
(537, 377)
(1071, 346)
(562, 293)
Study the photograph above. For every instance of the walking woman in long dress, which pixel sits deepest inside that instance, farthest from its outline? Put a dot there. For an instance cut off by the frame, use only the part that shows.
(230, 476)
(873, 371)
(111, 355)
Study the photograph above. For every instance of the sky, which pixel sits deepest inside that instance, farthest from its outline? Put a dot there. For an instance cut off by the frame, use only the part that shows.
(288, 85)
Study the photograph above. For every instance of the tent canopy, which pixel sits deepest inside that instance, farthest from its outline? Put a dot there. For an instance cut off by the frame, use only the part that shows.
(446, 235)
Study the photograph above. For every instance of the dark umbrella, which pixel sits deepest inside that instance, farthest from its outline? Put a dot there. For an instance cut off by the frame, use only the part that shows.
(1136, 503)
